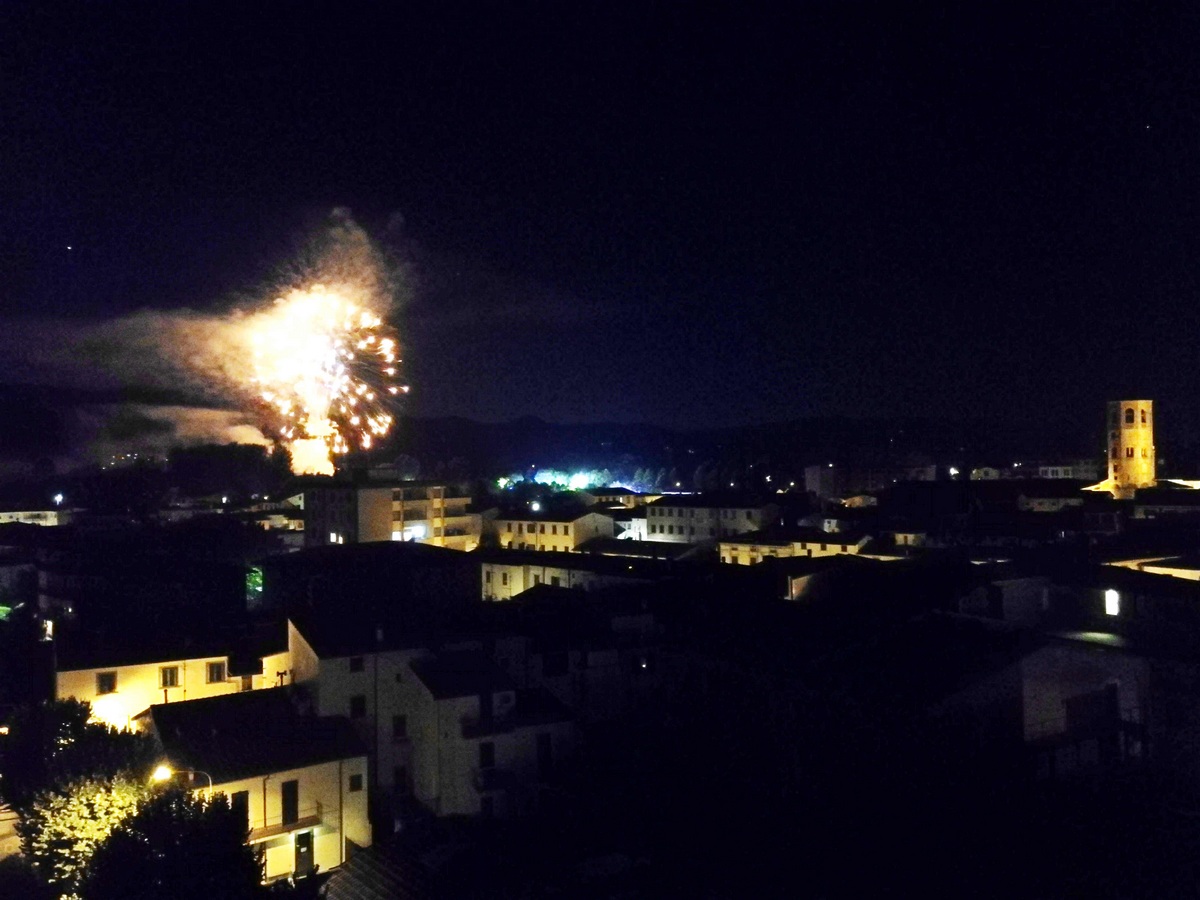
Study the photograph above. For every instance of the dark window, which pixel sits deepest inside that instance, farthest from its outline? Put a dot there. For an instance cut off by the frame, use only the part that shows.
(239, 802)
(399, 727)
(400, 775)
(1129, 416)
(537, 579)
(290, 795)
(1116, 454)
(356, 783)
(487, 577)
(1143, 417)
(358, 706)
(555, 581)
(168, 676)
(106, 682)
(216, 672)
(554, 663)
(504, 578)
(487, 755)
(356, 664)
(1129, 453)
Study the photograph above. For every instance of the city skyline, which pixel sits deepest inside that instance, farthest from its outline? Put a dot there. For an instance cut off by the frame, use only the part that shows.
(690, 218)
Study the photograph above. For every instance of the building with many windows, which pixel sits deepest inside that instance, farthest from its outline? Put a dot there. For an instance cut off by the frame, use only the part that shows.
(563, 532)
(428, 718)
(344, 512)
(695, 518)
(749, 549)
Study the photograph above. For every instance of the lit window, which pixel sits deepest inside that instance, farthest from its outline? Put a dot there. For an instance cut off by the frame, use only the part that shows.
(168, 676)
(215, 672)
(106, 682)
(1112, 603)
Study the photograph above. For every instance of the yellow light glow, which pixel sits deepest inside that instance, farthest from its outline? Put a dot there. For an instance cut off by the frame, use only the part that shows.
(162, 773)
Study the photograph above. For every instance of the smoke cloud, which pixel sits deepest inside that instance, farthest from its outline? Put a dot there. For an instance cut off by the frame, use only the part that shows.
(196, 364)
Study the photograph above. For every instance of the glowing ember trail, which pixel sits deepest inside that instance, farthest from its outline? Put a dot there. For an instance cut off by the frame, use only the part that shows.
(327, 367)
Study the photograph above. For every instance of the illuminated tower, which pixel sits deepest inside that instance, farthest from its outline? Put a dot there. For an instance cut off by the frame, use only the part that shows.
(1130, 446)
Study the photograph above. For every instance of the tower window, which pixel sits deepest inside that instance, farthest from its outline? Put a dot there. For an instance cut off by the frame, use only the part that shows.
(1129, 453)
(1129, 416)
(1143, 417)
(1116, 454)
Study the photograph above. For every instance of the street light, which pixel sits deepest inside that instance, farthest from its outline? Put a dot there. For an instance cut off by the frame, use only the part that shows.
(166, 773)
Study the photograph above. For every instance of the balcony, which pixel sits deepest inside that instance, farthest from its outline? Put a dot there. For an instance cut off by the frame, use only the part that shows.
(274, 826)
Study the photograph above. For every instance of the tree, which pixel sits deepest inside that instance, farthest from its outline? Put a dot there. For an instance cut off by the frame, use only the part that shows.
(176, 845)
(52, 745)
(61, 830)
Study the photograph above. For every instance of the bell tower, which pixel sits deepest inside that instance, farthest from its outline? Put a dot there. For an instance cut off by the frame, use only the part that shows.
(1131, 461)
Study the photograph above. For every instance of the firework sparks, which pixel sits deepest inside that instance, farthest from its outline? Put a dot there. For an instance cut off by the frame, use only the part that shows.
(326, 366)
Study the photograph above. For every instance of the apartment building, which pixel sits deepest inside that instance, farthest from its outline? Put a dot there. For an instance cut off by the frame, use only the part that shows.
(754, 548)
(695, 518)
(424, 715)
(562, 532)
(344, 512)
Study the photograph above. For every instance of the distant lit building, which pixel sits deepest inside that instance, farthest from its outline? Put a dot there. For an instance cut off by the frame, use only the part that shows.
(754, 548)
(695, 518)
(38, 516)
(1079, 469)
(506, 573)
(434, 513)
(550, 531)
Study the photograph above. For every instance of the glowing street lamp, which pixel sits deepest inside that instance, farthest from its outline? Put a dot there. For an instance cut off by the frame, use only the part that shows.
(164, 772)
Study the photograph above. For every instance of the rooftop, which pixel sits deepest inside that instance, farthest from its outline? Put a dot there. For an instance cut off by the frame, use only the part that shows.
(461, 674)
(712, 500)
(249, 734)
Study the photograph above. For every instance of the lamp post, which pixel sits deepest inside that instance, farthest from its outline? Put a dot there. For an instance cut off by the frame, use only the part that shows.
(166, 773)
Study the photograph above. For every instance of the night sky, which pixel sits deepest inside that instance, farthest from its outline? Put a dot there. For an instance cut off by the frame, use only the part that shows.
(689, 214)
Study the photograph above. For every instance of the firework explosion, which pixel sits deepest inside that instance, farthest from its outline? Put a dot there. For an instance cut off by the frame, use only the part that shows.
(326, 367)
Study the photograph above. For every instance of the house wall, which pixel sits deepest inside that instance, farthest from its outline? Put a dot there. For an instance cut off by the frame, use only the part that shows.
(691, 525)
(544, 534)
(374, 514)
(503, 581)
(324, 793)
(138, 686)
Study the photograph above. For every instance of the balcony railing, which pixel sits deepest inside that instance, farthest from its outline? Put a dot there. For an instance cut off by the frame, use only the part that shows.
(274, 826)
